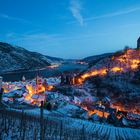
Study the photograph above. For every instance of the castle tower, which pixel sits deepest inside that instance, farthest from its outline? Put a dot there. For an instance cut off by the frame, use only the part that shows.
(138, 43)
(0, 82)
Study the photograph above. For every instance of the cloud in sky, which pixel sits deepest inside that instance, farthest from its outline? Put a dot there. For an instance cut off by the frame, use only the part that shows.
(75, 8)
(114, 14)
(5, 16)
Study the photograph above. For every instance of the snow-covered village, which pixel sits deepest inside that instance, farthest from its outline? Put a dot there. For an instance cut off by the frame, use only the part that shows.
(89, 98)
(69, 70)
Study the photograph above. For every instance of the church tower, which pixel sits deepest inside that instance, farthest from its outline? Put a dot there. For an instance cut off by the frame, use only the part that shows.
(138, 43)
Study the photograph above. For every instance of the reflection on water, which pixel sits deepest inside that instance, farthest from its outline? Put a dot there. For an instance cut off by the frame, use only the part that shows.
(48, 72)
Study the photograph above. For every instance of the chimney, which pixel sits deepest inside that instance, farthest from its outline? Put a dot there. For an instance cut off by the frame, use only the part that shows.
(138, 43)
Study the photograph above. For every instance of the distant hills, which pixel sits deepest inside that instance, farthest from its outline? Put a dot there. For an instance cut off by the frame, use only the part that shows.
(17, 58)
(14, 58)
(91, 60)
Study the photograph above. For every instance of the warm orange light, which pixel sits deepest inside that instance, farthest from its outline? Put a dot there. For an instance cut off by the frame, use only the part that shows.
(53, 66)
(134, 66)
(37, 90)
(99, 113)
(31, 92)
(50, 87)
(130, 60)
(116, 69)
(103, 72)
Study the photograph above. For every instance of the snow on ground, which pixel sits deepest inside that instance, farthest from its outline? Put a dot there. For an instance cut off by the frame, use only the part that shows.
(53, 81)
(111, 132)
(36, 112)
(106, 130)
(65, 110)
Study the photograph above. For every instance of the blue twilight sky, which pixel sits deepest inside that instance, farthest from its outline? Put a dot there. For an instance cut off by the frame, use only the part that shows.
(70, 28)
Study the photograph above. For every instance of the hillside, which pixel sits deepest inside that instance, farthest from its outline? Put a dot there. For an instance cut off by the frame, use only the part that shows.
(117, 77)
(17, 58)
(91, 60)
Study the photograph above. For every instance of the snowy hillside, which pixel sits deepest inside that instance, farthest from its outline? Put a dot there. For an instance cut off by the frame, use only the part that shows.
(60, 128)
(94, 59)
(16, 58)
(117, 77)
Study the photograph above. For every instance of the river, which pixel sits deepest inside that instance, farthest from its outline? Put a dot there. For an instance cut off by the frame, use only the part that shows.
(46, 72)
